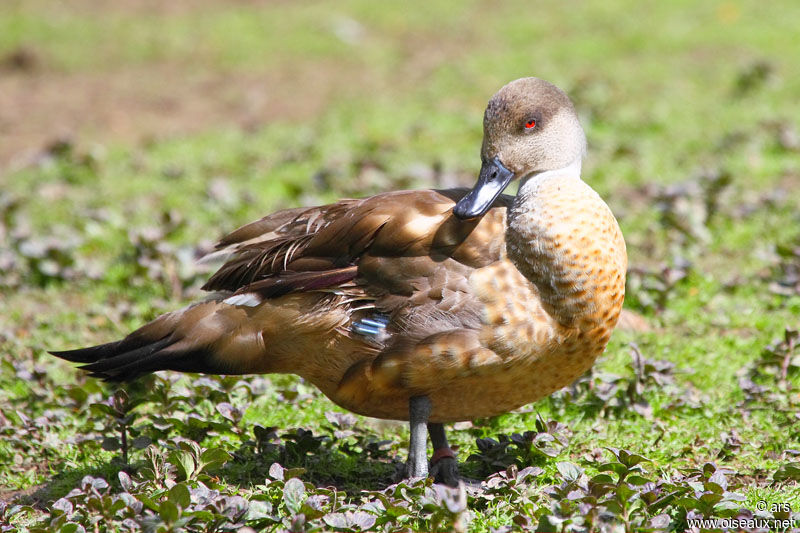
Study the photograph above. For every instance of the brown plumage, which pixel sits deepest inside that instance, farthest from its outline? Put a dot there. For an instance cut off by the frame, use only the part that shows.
(477, 301)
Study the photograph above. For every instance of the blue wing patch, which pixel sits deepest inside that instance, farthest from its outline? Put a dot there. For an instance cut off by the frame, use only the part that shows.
(373, 326)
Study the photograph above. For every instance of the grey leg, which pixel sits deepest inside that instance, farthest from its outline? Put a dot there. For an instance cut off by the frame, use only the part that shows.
(438, 436)
(419, 409)
(444, 467)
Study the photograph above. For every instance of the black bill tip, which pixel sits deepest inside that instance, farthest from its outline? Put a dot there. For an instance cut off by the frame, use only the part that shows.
(492, 181)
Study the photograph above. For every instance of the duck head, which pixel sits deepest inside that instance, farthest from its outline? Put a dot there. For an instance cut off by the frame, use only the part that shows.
(530, 126)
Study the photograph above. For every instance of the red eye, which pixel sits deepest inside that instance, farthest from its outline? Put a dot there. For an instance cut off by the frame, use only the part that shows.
(530, 124)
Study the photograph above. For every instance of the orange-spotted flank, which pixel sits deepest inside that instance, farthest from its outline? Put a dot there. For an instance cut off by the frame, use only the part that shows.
(431, 306)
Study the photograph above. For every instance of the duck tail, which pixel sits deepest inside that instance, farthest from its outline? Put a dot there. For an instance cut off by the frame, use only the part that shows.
(182, 340)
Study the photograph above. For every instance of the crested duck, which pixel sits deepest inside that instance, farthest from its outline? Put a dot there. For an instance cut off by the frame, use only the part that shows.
(431, 306)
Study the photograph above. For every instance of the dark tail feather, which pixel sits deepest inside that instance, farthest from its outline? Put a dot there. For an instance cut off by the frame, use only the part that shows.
(113, 362)
(88, 355)
(141, 338)
(206, 337)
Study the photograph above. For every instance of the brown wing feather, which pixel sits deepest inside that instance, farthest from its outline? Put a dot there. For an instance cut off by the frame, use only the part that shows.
(285, 283)
(380, 234)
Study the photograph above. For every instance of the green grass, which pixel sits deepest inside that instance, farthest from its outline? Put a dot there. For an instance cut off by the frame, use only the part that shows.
(666, 93)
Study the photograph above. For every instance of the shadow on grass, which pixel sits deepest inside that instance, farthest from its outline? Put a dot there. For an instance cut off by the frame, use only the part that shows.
(41, 496)
(351, 466)
(351, 471)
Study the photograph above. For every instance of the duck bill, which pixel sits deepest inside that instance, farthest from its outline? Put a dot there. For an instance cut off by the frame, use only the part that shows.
(492, 181)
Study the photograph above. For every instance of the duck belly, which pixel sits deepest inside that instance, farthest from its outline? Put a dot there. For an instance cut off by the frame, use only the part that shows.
(478, 392)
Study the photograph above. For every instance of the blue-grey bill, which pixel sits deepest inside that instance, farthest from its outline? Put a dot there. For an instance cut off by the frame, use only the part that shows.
(492, 181)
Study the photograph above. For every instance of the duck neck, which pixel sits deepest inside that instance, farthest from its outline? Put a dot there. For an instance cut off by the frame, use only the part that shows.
(563, 238)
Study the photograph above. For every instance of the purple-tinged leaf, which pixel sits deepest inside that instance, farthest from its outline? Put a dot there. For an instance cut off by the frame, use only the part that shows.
(95, 483)
(336, 520)
(227, 411)
(718, 478)
(363, 521)
(294, 494)
(276, 471)
(125, 481)
(63, 505)
(529, 471)
(660, 521)
(569, 471)
(340, 420)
